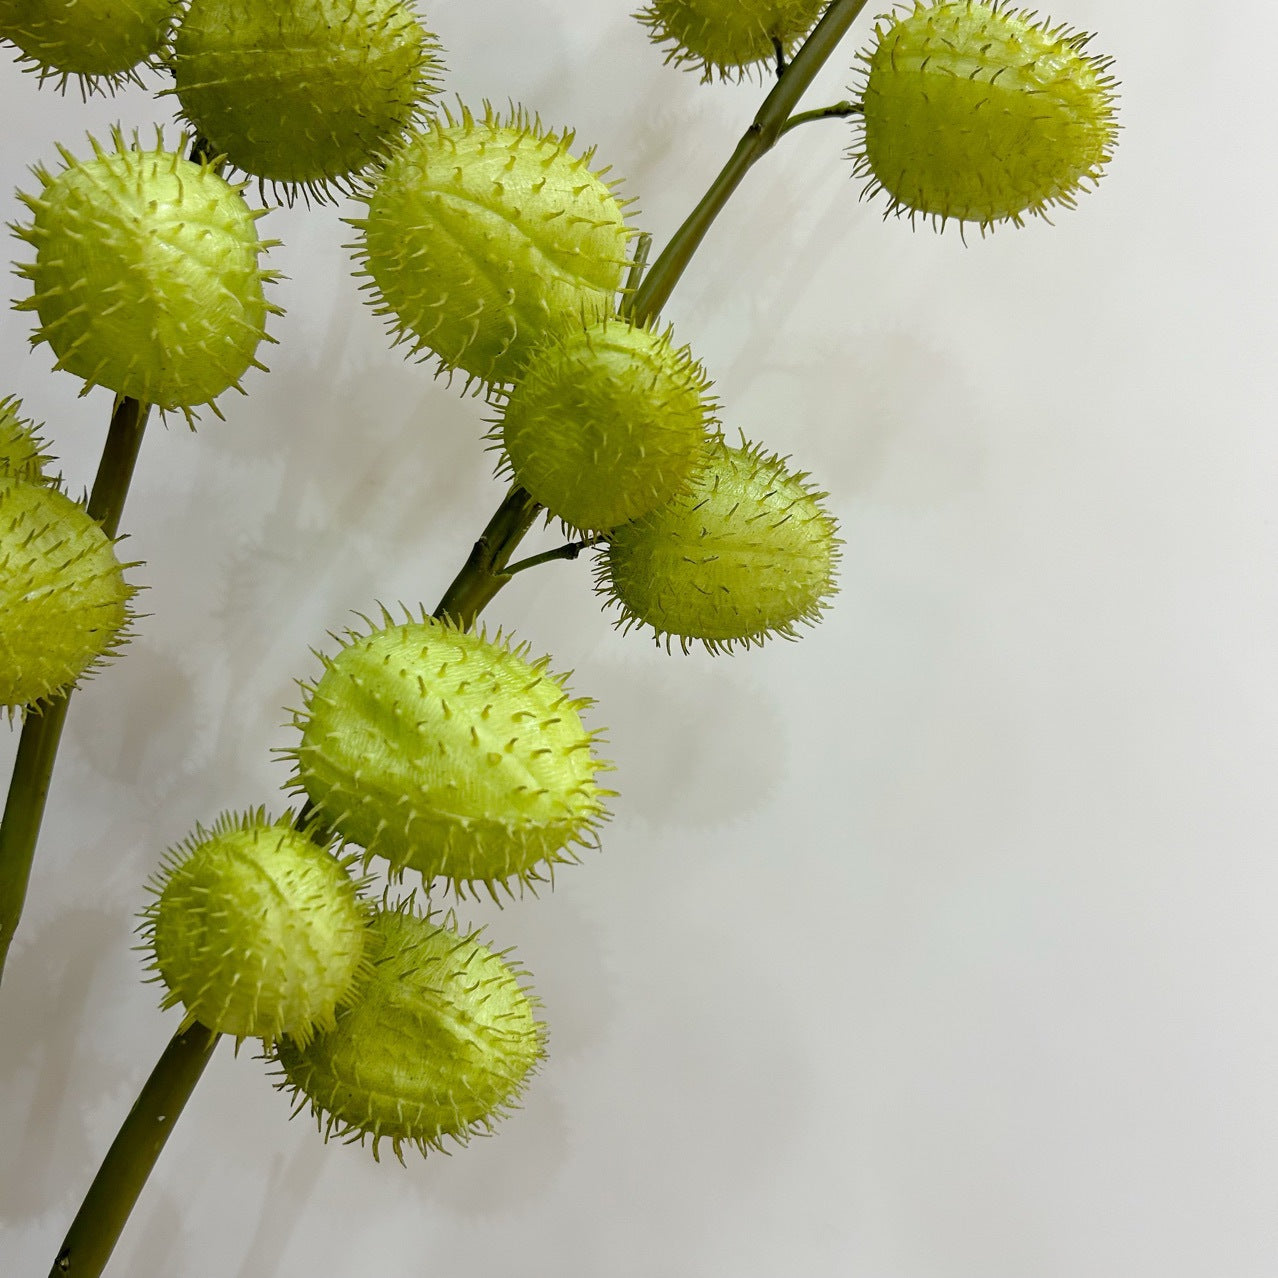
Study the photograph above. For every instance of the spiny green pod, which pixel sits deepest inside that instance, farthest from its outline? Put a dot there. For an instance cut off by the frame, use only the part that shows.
(64, 602)
(256, 929)
(22, 454)
(979, 112)
(438, 1046)
(728, 36)
(450, 754)
(483, 236)
(146, 276)
(750, 552)
(303, 93)
(607, 422)
(100, 42)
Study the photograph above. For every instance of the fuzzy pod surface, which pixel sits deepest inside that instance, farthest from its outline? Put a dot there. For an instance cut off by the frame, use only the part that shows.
(304, 93)
(606, 423)
(728, 36)
(146, 277)
(22, 454)
(980, 112)
(438, 1045)
(98, 41)
(64, 602)
(256, 930)
(450, 754)
(748, 553)
(482, 236)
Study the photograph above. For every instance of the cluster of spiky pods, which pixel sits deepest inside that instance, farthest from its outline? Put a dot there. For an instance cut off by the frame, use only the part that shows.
(496, 250)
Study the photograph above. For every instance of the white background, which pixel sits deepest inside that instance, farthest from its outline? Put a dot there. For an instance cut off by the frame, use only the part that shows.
(940, 944)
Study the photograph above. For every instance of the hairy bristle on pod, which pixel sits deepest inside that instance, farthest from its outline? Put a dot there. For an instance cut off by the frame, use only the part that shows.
(22, 454)
(257, 930)
(451, 754)
(483, 236)
(982, 113)
(303, 94)
(98, 42)
(64, 602)
(438, 1046)
(606, 423)
(727, 37)
(146, 277)
(750, 552)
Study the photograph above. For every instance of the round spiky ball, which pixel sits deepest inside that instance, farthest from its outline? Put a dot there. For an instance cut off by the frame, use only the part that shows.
(257, 930)
(146, 276)
(438, 1045)
(22, 454)
(98, 41)
(64, 603)
(302, 92)
(606, 423)
(982, 113)
(748, 553)
(483, 236)
(727, 36)
(449, 753)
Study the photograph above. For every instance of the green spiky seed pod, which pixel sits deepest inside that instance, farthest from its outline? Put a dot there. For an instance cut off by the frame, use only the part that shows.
(303, 93)
(146, 276)
(438, 1046)
(257, 930)
(748, 553)
(728, 36)
(100, 42)
(451, 754)
(606, 423)
(483, 236)
(22, 454)
(979, 112)
(64, 603)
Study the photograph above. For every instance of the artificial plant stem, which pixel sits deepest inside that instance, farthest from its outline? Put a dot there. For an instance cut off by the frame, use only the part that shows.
(124, 1171)
(42, 727)
(836, 111)
(758, 140)
(569, 550)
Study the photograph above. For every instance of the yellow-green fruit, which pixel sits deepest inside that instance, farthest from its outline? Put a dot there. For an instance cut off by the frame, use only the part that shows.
(99, 41)
(606, 423)
(438, 1045)
(484, 236)
(146, 276)
(302, 92)
(22, 454)
(748, 553)
(982, 113)
(257, 930)
(64, 603)
(728, 35)
(449, 754)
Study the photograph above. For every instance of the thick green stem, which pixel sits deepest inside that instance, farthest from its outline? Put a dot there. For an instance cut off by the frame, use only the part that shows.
(42, 728)
(115, 1189)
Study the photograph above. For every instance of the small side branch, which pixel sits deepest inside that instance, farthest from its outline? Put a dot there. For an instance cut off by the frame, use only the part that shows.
(780, 51)
(570, 550)
(838, 111)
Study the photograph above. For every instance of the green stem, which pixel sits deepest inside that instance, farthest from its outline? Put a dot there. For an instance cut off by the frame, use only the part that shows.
(837, 111)
(569, 550)
(115, 1189)
(42, 727)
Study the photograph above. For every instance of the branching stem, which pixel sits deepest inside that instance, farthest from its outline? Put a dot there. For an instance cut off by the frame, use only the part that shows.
(570, 550)
(836, 111)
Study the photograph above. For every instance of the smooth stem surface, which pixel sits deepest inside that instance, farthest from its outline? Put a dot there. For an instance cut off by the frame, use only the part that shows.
(42, 728)
(124, 1171)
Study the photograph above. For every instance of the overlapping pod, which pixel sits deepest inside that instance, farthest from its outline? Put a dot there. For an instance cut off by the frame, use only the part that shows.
(64, 602)
(980, 112)
(304, 94)
(22, 454)
(607, 422)
(450, 754)
(438, 1046)
(726, 37)
(749, 552)
(257, 930)
(485, 235)
(146, 277)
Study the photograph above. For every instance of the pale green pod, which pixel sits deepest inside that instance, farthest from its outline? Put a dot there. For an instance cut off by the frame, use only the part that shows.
(22, 454)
